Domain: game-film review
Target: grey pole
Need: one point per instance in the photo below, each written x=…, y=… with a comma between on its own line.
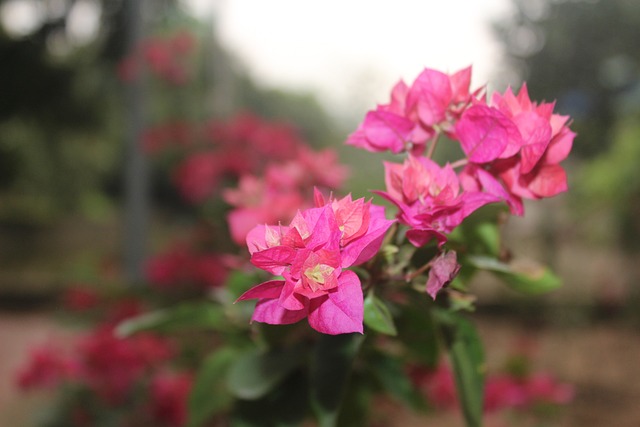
x=136, y=215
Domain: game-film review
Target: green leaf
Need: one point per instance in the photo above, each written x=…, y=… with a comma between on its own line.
x=183, y=316
x=416, y=330
x=209, y=394
x=238, y=282
x=257, y=372
x=285, y=406
x=467, y=358
x=390, y=372
x=330, y=369
x=377, y=315
x=480, y=233
x=524, y=276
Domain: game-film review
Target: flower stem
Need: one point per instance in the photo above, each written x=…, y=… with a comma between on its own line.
x=410, y=277
x=432, y=147
x=460, y=163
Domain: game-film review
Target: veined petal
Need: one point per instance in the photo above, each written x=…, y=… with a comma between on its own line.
x=387, y=131
x=364, y=248
x=548, y=181
x=288, y=297
x=444, y=269
x=269, y=289
x=341, y=311
x=483, y=133
x=271, y=312
x=274, y=260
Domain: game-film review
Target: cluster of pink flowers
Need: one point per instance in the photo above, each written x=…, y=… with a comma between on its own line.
x=166, y=57
x=281, y=190
x=182, y=266
x=312, y=255
x=169, y=397
x=513, y=149
x=111, y=371
x=502, y=391
x=269, y=162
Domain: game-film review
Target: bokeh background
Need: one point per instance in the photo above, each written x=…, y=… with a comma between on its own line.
x=80, y=199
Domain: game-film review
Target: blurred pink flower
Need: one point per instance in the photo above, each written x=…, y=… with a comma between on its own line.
x=80, y=298
x=110, y=366
x=169, y=398
x=46, y=368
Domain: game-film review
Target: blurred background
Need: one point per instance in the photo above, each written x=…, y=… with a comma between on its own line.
x=83, y=199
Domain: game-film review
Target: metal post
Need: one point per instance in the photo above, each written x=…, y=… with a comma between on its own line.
x=136, y=215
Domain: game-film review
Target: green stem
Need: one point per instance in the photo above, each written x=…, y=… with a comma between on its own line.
x=432, y=146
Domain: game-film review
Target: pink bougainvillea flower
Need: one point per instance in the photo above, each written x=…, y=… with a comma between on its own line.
x=46, y=368
x=363, y=226
x=198, y=175
x=502, y=392
x=322, y=168
x=312, y=254
x=80, y=298
x=110, y=366
x=519, y=142
x=408, y=121
x=261, y=201
x=544, y=388
x=429, y=198
x=443, y=270
x=437, y=384
x=169, y=398
x=486, y=134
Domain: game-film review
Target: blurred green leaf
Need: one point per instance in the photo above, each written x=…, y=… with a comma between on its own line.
x=257, y=372
x=377, y=315
x=416, y=330
x=480, y=233
x=187, y=315
x=390, y=372
x=209, y=394
x=467, y=358
x=238, y=282
x=523, y=276
x=285, y=406
x=330, y=369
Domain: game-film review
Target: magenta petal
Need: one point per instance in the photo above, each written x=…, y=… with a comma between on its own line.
x=271, y=312
x=341, y=311
x=242, y=221
x=288, y=298
x=420, y=237
x=274, y=260
x=365, y=247
x=385, y=130
x=460, y=82
x=560, y=146
x=270, y=289
x=536, y=135
x=548, y=181
x=430, y=94
x=325, y=232
x=483, y=133
x=444, y=269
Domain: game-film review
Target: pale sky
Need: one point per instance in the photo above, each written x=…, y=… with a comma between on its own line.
x=353, y=51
